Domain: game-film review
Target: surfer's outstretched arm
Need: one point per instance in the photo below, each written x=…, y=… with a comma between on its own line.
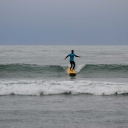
x=77, y=56
x=66, y=57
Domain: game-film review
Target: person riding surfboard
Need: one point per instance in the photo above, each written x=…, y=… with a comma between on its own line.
x=72, y=62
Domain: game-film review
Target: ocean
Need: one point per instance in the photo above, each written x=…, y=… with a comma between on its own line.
x=37, y=92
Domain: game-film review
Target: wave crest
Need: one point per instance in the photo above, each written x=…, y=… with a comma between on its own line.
x=84, y=71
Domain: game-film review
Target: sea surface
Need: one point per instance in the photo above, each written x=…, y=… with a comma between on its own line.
x=37, y=92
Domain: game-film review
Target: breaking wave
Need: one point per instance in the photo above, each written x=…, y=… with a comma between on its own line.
x=40, y=87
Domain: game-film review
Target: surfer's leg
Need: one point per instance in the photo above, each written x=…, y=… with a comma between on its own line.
x=74, y=65
x=71, y=65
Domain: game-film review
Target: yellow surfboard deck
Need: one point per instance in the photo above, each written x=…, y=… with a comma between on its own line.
x=71, y=72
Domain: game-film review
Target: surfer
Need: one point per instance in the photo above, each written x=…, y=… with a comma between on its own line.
x=72, y=62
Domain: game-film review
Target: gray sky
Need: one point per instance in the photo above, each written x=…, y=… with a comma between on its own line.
x=64, y=22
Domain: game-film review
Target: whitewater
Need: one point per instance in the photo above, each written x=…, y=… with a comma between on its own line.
x=39, y=87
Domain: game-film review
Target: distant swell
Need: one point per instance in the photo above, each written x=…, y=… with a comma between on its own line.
x=40, y=87
x=84, y=71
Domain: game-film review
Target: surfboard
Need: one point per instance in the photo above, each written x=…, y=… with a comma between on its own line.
x=71, y=72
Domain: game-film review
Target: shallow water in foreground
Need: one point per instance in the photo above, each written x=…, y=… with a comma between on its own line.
x=63, y=111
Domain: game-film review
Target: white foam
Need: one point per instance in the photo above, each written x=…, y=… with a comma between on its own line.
x=79, y=68
x=37, y=87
